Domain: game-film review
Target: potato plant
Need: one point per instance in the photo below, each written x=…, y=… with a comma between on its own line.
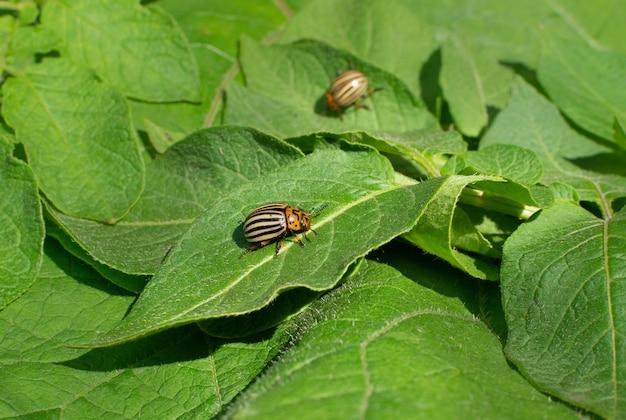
x=469, y=260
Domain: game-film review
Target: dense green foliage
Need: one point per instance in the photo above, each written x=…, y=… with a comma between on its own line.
x=470, y=260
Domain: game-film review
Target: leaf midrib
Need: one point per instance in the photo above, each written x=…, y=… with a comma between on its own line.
x=609, y=280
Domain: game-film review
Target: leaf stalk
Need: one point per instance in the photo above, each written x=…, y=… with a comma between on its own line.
x=486, y=200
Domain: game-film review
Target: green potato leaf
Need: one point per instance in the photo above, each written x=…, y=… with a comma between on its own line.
x=178, y=373
x=21, y=228
x=205, y=275
x=588, y=84
x=126, y=281
x=213, y=28
x=599, y=24
x=497, y=30
x=78, y=138
x=138, y=296
x=563, y=278
x=139, y=50
x=185, y=117
x=364, y=28
x=532, y=122
x=508, y=161
x=67, y=302
x=462, y=86
x=419, y=146
x=393, y=344
x=189, y=177
x=27, y=42
x=219, y=24
x=466, y=236
x=285, y=92
x=402, y=37
x=434, y=231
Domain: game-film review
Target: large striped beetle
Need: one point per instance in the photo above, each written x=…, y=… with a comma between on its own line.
x=273, y=222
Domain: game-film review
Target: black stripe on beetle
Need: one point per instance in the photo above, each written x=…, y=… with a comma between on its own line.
x=274, y=222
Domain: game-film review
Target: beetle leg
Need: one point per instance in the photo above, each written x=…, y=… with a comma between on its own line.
x=279, y=244
x=359, y=104
x=317, y=210
x=298, y=240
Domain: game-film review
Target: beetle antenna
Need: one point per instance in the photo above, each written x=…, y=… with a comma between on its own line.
x=373, y=90
x=317, y=210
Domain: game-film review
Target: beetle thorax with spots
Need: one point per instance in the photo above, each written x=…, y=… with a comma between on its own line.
x=297, y=220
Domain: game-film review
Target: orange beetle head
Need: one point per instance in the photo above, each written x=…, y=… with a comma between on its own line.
x=297, y=220
x=305, y=221
x=331, y=103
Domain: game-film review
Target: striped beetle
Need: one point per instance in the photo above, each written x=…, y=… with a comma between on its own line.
x=273, y=222
x=348, y=89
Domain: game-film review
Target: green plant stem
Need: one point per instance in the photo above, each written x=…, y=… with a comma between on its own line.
x=489, y=201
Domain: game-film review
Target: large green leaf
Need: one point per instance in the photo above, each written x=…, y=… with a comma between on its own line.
x=589, y=85
x=494, y=29
x=67, y=302
x=178, y=373
x=563, y=288
x=128, y=282
x=434, y=231
x=464, y=235
x=286, y=87
x=419, y=146
x=462, y=85
x=213, y=28
x=402, y=37
x=366, y=29
x=186, y=117
x=219, y=24
x=394, y=344
x=192, y=175
x=599, y=24
x=532, y=122
x=21, y=228
x=26, y=42
x=205, y=277
x=78, y=138
x=139, y=50
x=509, y=161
